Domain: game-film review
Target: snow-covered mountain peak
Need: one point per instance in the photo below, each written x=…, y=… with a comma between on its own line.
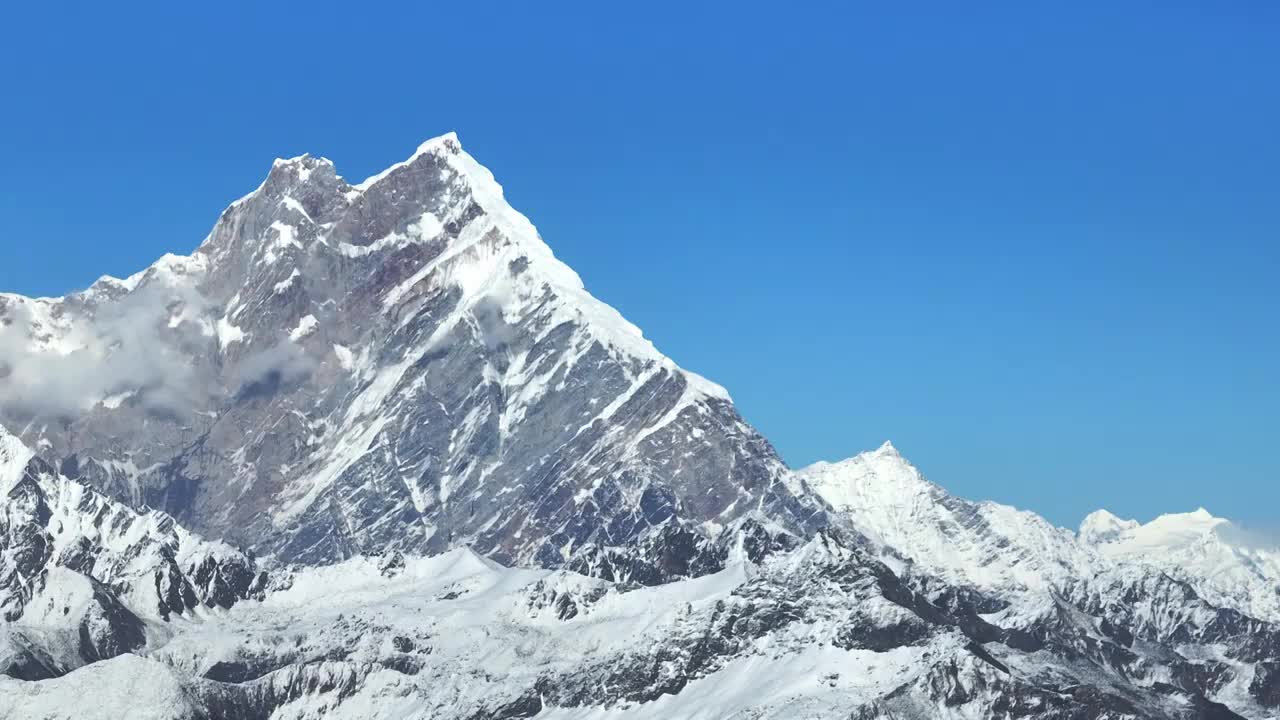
x=299, y=171
x=1166, y=532
x=305, y=161
x=1175, y=535
x=529, y=252
x=384, y=388
x=446, y=144
x=1202, y=514
x=417, y=321
x=1230, y=565
x=985, y=545
x=876, y=478
x=1102, y=526
x=888, y=448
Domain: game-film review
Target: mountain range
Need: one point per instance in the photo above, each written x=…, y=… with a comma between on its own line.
x=373, y=451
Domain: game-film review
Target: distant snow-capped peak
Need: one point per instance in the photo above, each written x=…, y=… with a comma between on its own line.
x=1230, y=565
x=1102, y=526
x=983, y=544
x=1166, y=532
x=1002, y=549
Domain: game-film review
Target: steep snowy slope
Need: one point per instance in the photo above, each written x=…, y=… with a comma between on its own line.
x=399, y=364
x=14, y=457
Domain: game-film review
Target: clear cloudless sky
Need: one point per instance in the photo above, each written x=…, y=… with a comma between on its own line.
x=1036, y=244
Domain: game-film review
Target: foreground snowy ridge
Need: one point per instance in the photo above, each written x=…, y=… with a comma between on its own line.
x=823, y=630
x=465, y=488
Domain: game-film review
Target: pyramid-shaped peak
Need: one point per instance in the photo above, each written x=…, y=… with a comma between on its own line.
x=1102, y=526
x=888, y=448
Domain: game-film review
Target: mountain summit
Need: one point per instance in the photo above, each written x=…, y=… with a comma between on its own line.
x=401, y=364
x=373, y=451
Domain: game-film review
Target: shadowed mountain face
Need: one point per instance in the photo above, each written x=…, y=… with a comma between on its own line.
x=478, y=492
x=401, y=364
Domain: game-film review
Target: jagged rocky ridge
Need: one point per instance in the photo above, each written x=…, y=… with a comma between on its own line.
x=83, y=577
x=400, y=364
x=392, y=391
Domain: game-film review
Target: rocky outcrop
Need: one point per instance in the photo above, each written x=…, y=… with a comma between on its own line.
x=81, y=575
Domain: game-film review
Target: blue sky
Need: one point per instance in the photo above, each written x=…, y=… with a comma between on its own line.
x=1034, y=244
